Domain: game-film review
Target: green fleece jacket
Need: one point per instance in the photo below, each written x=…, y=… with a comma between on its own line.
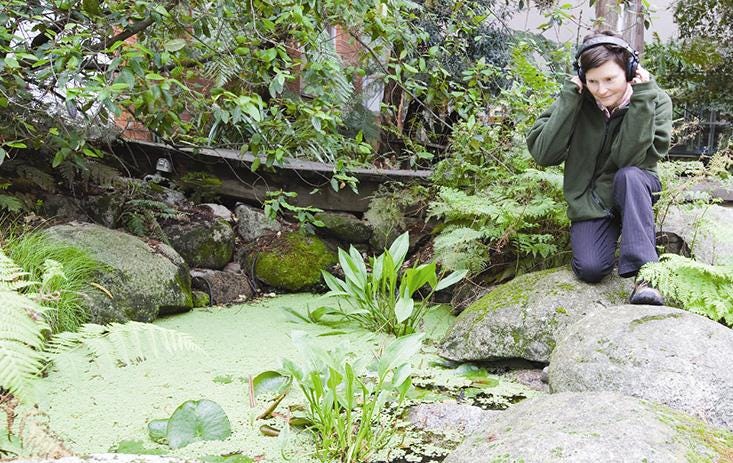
x=573, y=130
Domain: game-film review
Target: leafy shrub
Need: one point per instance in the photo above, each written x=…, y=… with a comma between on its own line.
x=694, y=286
x=383, y=297
x=346, y=398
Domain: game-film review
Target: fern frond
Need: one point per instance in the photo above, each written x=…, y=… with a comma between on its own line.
x=10, y=203
x=122, y=344
x=462, y=248
x=700, y=288
x=454, y=204
x=21, y=341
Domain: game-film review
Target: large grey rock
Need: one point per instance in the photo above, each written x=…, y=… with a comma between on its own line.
x=450, y=417
x=590, y=428
x=141, y=280
x=203, y=242
x=524, y=317
x=660, y=354
x=706, y=231
x=252, y=223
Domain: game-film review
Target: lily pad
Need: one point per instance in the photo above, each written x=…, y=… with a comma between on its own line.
x=158, y=430
x=197, y=420
x=270, y=382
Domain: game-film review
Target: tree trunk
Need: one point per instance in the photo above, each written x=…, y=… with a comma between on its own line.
x=624, y=17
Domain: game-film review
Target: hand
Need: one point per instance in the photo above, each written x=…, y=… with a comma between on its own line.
x=578, y=83
x=642, y=75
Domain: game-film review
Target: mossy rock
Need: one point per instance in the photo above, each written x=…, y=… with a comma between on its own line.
x=345, y=227
x=524, y=317
x=203, y=244
x=597, y=426
x=141, y=280
x=293, y=261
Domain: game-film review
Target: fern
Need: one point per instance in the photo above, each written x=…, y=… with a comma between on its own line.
x=700, y=288
x=21, y=331
x=462, y=248
x=122, y=344
x=10, y=203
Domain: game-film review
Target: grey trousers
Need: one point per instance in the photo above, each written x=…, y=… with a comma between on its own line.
x=594, y=241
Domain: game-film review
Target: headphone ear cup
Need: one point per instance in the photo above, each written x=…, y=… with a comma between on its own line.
x=631, y=65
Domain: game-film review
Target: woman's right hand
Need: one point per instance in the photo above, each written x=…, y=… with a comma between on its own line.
x=578, y=83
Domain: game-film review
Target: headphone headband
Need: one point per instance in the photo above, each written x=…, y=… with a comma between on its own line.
x=631, y=63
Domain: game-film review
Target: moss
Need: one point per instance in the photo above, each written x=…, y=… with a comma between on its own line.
x=706, y=444
x=511, y=294
x=561, y=310
x=200, y=299
x=651, y=318
x=294, y=262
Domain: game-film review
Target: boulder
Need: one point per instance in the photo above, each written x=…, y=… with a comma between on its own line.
x=141, y=280
x=252, y=223
x=292, y=261
x=655, y=353
x=450, y=417
x=345, y=227
x=705, y=230
x=222, y=287
x=219, y=211
x=593, y=427
x=524, y=317
x=105, y=209
x=203, y=242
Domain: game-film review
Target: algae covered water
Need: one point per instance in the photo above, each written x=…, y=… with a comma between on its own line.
x=95, y=409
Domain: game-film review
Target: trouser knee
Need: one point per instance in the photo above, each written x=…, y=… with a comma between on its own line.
x=591, y=272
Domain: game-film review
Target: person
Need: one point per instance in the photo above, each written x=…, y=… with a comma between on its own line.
x=610, y=125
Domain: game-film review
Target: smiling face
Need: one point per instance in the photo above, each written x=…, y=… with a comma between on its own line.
x=607, y=83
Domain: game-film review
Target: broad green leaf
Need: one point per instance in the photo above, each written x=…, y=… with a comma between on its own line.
x=175, y=45
x=451, y=279
x=157, y=430
x=403, y=309
x=398, y=249
x=398, y=352
x=270, y=382
x=197, y=420
x=333, y=283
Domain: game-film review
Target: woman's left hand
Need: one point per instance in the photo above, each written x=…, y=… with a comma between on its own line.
x=642, y=75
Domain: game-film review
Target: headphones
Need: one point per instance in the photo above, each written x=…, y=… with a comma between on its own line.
x=631, y=63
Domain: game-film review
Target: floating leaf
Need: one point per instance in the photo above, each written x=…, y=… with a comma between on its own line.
x=270, y=382
x=197, y=420
x=157, y=430
x=269, y=431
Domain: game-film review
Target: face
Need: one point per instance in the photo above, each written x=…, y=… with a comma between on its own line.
x=607, y=83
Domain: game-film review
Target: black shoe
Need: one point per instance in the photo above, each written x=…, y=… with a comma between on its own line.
x=645, y=294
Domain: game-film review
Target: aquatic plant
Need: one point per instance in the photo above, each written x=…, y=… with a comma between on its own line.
x=383, y=297
x=192, y=421
x=346, y=398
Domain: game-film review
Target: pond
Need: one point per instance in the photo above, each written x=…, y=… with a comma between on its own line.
x=96, y=409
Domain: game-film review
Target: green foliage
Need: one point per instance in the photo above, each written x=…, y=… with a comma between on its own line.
x=523, y=218
x=192, y=421
x=383, y=298
x=22, y=330
x=277, y=204
x=63, y=273
x=25, y=346
x=141, y=217
x=694, y=286
x=346, y=398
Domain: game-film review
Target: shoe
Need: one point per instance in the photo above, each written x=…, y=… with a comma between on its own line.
x=645, y=294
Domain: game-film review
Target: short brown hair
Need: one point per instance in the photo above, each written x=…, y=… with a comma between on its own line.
x=598, y=56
